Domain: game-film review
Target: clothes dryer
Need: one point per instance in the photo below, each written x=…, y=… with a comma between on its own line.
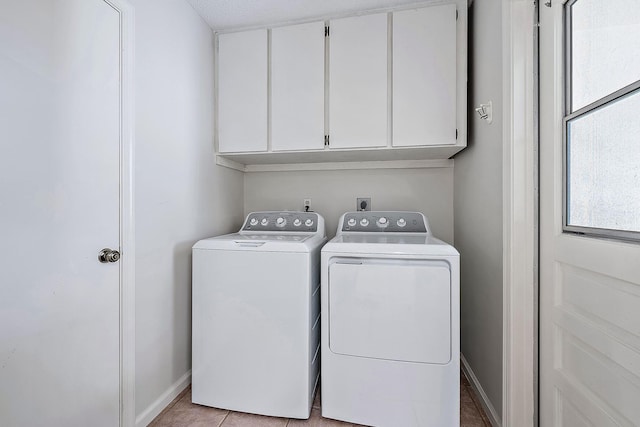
x=256, y=315
x=390, y=323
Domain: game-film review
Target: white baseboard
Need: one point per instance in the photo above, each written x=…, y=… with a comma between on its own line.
x=156, y=407
x=494, y=417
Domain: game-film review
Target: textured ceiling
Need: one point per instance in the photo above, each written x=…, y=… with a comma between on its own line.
x=233, y=14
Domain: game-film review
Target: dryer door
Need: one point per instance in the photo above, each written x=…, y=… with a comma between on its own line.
x=390, y=309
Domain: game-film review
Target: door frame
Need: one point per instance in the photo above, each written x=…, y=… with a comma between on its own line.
x=520, y=190
x=520, y=213
x=127, y=229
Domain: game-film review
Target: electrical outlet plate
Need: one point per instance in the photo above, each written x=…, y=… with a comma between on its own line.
x=363, y=203
x=306, y=204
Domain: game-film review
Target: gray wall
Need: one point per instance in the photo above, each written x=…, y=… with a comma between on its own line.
x=478, y=206
x=334, y=192
x=181, y=196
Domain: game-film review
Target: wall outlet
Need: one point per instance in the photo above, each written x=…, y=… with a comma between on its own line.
x=363, y=203
x=306, y=204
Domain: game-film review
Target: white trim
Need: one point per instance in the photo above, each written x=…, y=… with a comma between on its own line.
x=127, y=228
x=227, y=163
x=387, y=164
x=520, y=215
x=491, y=412
x=163, y=401
x=327, y=166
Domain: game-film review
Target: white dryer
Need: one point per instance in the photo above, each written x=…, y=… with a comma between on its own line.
x=256, y=315
x=390, y=323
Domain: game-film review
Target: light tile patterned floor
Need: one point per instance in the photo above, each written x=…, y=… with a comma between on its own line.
x=182, y=413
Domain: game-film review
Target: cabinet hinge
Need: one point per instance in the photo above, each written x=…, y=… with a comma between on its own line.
x=326, y=140
x=326, y=31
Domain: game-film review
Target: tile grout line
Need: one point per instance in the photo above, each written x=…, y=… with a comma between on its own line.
x=224, y=419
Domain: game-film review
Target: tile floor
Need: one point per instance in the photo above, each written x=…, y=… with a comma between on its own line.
x=182, y=413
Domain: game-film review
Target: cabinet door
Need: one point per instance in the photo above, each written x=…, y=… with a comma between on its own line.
x=242, y=91
x=297, y=87
x=358, y=82
x=424, y=76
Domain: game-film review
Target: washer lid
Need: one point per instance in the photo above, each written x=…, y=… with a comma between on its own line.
x=272, y=231
x=289, y=242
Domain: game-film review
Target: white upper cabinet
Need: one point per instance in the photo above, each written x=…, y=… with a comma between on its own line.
x=242, y=91
x=297, y=87
x=424, y=76
x=383, y=86
x=358, y=81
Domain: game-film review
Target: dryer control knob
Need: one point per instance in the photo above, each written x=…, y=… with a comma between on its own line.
x=297, y=222
x=308, y=222
x=382, y=222
x=401, y=222
x=254, y=221
x=280, y=222
x=352, y=222
x=364, y=222
x=264, y=221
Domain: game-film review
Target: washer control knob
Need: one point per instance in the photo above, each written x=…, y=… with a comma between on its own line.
x=364, y=222
x=254, y=221
x=352, y=222
x=308, y=222
x=401, y=222
x=264, y=221
x=280, y=222
x=297, y=222
x=382, y=222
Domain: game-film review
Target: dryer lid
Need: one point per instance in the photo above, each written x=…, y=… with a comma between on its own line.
x=364, y=244
x=391, y=239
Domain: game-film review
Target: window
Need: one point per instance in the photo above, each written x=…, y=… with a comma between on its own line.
x=602, y=121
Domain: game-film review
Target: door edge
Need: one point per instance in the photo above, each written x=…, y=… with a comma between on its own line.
x=127, y=410
x=520, y=171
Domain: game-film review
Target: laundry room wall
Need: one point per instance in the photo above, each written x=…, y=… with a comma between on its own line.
x=478, y=204
x=334, y=192
x=181, y=196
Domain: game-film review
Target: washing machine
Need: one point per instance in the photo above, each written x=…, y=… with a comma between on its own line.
x=390, y=323
x=256, y=315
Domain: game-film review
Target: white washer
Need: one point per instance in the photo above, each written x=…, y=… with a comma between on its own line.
x=390, y=323
x=256, y=315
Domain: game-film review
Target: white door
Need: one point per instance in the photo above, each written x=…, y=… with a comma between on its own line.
x=358, y=81
x=297, y=87
x=242, y=91
x=59, y=188
x=590, y=286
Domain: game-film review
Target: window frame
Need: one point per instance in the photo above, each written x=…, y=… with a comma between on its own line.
x=568, y=116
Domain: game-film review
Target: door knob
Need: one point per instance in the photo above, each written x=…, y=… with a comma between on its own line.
x=108, y=255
